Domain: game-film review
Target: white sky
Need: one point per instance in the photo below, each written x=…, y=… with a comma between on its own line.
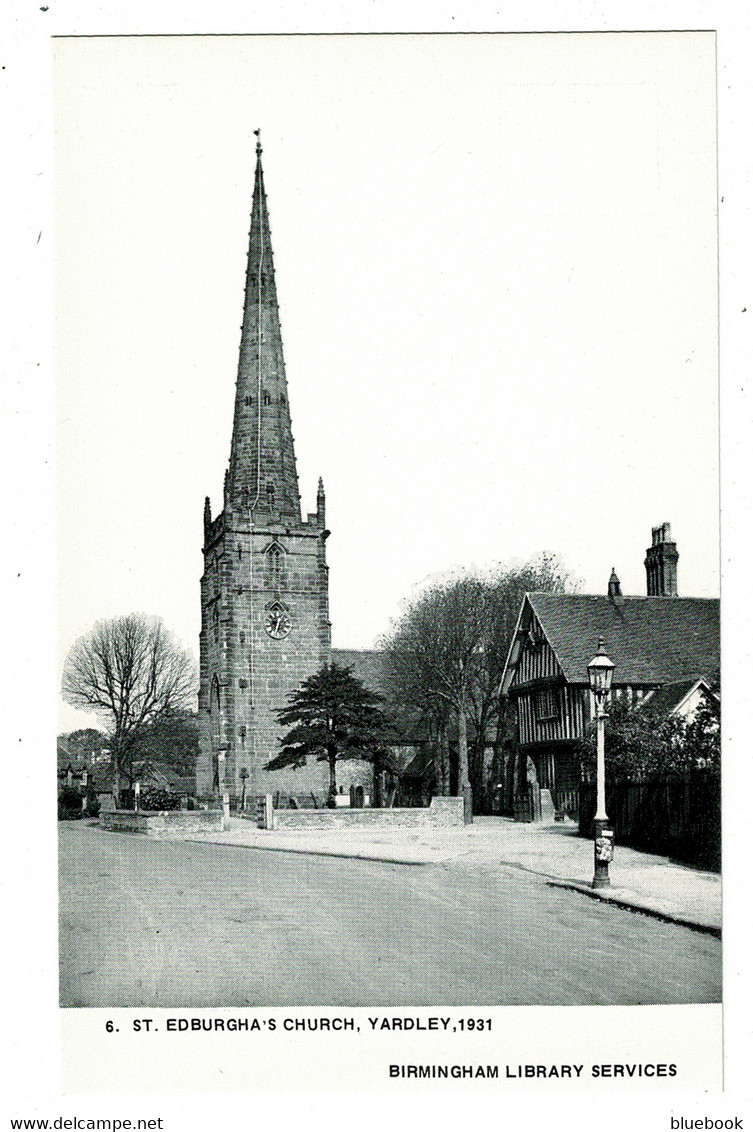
x=496, y=263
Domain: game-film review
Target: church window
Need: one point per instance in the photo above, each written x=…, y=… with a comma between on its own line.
x=267, y=398
x=242, y=637
x=248, y=401
x=270, y=495
x=240, y=552
x=242, y=683
x=545, y=704
x=242, y=732
x=276, y=566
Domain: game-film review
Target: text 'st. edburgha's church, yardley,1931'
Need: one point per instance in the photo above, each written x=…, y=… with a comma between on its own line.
x=264, y=592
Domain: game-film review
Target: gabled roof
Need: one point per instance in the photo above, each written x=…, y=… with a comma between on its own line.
x=670, y=698
x=651, y=640
x=64, y=768
x=420, y=766
x=149, y=772
x=67, y=760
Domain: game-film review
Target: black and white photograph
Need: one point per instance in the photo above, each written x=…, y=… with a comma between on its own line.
x=388, y=665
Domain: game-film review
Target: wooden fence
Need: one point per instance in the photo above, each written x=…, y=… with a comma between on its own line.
x=567, y=802
x=676, y=817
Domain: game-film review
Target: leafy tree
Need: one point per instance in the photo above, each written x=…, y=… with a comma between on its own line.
x=172, y=741
x=334, y=716
x=640, y=743
x=132, y=673
x=84, y=746
x=702, y=737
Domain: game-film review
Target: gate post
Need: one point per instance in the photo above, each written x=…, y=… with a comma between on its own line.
x=265, y=814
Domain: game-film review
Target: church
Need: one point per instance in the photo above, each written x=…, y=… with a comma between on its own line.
x=265, y=624
x=264, y=591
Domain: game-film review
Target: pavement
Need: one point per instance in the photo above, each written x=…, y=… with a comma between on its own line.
x=146, y=922
x=642, y=882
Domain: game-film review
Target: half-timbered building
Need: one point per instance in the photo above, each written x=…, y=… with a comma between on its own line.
x=658, y=643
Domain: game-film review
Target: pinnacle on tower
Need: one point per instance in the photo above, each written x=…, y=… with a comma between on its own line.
x=262, y=472
x=320, y=502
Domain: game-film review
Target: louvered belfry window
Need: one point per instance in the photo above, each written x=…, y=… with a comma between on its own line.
x=276, y=567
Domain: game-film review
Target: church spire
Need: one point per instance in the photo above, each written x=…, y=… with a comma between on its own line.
x=262, y=474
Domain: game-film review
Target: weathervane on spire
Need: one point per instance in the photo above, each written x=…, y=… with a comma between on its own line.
x=258, y=141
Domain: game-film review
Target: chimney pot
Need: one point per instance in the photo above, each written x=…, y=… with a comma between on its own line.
x=661, y=563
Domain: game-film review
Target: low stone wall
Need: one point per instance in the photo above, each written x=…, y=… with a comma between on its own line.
x=162, y=824
x=441, y=813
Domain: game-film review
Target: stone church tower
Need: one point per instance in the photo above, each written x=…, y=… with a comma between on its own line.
x=264, y=592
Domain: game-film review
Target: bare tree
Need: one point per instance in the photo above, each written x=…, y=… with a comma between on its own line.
x=446, y=657
x=434, y=652
x=131, y=672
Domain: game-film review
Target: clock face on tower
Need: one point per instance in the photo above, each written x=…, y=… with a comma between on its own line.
x=277, y=624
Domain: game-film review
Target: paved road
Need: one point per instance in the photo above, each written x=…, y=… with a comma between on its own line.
x=171, y=924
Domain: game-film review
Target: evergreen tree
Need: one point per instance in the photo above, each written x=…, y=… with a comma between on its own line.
x=334, y=716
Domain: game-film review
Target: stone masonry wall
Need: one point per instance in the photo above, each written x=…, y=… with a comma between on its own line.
x=247, y=675
x=442, y=813
x=163, y=824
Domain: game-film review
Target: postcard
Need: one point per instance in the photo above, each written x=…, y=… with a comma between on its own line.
x=387, y=572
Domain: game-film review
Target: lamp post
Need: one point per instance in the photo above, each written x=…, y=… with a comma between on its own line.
x=600, y=672
x=223, y=790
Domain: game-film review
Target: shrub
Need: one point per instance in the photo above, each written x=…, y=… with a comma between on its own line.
x=155, y=799
x=151, y=798
x=641, y=745
x=92, y=804
x=69, y=804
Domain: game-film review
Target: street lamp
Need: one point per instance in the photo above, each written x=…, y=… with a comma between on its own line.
x=600, y=672
x=223, y=789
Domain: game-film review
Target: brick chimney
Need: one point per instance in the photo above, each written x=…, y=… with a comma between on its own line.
x=661, y=563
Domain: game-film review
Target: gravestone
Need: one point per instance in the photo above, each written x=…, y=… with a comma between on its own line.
x=547, y=806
